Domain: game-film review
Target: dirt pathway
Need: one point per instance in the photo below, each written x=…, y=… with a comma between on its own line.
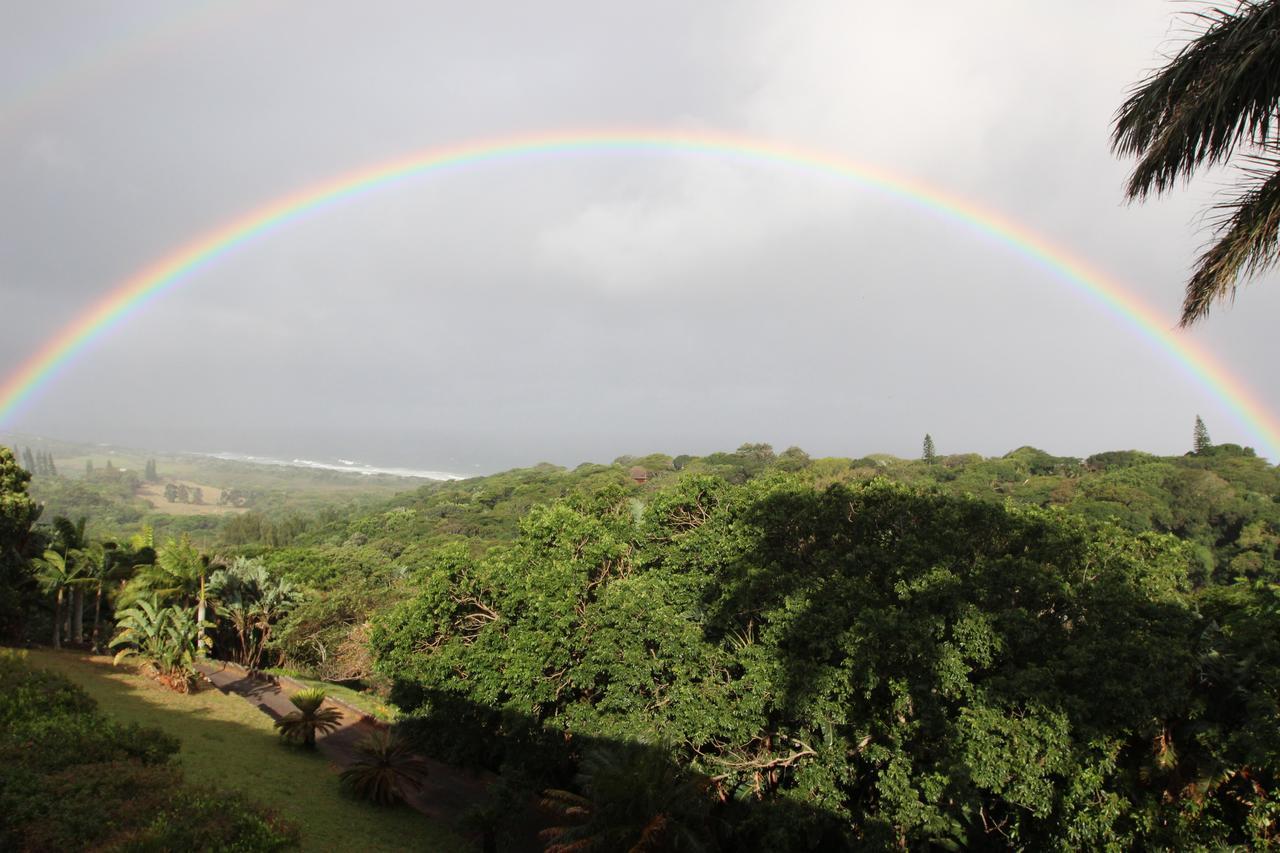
x=448, y=791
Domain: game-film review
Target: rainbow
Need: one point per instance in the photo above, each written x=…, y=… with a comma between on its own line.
x=149, y=283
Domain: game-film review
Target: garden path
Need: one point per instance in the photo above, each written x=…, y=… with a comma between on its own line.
x=448, y=792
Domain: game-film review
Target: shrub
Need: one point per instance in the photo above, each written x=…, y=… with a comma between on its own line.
x=386, y=771
x=302, y=726
x=73, y=779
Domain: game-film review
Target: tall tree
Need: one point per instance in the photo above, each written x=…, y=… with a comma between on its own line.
x=1200, y=437
x=927, y=453
x=244, y=593
x=1217, y=98
x=18, y=513
x=177, y=576
x=28, y=461
x=72, y=542
x=57, y=575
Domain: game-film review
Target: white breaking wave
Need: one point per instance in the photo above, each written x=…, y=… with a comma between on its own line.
x=348, y=466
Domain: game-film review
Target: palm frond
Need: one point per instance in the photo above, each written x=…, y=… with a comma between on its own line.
x=310, y=719
x=1248, y=241
x=1219, y=90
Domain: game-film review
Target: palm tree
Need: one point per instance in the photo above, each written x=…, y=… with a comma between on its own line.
x=634, y=797
x=302, y=725
x=56, y=575
x=1218, y=95
x=386, y=771
x=109, y=562
x=254, y=602
x=72, y=541
x=178, y=574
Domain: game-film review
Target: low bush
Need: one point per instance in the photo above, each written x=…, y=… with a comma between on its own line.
x=72, y=779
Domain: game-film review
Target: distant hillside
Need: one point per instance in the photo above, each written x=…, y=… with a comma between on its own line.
x=1225, y=502
x=120, y=489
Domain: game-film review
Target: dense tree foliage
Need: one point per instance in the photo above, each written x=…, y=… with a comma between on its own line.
x=18, y=514
x=865, y=665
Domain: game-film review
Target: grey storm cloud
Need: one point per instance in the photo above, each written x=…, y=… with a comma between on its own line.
x=583, y=306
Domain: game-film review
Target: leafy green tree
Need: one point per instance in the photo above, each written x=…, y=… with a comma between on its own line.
x=1200, y=438
x=853, y=667
x=18, y=514
x=386, y=770
x=793, y=459
x=308, y=718
x=1216, y=99
x=171, y=492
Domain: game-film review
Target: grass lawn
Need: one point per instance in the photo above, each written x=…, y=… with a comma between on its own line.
x=229, y=743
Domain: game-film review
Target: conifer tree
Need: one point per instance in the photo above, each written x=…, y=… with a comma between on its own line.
x=53, y=469
x=928, y=454
x=28, y=461
x=151, y=471
x=1201, y=441
x=88, y=468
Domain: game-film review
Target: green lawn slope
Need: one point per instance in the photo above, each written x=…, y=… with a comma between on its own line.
x=229, y=743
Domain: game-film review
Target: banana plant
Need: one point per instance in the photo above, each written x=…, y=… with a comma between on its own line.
x=163, y=639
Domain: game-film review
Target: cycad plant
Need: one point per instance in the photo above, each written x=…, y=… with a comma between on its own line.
x=386, y=771
x=302, y=725
x=634, y=797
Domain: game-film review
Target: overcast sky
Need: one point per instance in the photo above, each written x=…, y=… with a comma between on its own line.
x=581, y=307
